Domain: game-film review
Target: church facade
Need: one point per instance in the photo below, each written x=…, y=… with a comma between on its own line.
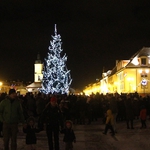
x=38, y=76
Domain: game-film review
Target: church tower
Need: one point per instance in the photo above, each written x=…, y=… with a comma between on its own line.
x=38, y=68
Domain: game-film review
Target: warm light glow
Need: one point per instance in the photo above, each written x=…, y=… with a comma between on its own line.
x=125, y=80
x=104, y=74
x=135, y=61
x=130, y=79
x=134, y=88
x=125, y=75
x=38, y=75
x=147, y=71
x=1, y=83
x=116, y=83
x=140, y=71
x=104, y=86
x=38, y=68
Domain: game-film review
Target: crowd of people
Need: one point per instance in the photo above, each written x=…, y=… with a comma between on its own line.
x=59, y=112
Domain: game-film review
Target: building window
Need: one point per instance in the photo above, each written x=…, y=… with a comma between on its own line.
x=144, y=75
x=120, y=76
x=143, y=61
x=39, y=78
x=122, y=86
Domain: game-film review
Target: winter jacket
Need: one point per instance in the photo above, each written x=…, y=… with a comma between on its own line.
x=69, y=135
x=30, y=134
x=11, y=111
x=129, y=109
x=143, y=114
x=52, y=116
x=113, y=105
x=110, y=117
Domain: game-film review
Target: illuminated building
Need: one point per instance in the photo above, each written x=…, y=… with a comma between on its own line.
x=128, y=76
x=19, y=86
x=38, y=68
x=38, y=76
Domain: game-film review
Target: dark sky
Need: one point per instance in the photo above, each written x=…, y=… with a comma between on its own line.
x=94, y=33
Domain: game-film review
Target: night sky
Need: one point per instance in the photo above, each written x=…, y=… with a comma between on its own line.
x=94, y=33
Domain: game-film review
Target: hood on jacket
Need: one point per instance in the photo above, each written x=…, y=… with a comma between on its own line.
x=109, y=112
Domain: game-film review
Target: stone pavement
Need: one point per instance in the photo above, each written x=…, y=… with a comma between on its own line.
x=90, y=137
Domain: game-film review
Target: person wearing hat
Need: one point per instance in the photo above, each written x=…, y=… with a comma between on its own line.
x=11, y=114
x=53, y=119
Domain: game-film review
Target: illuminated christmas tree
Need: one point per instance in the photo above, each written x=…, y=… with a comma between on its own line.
x=56, y=76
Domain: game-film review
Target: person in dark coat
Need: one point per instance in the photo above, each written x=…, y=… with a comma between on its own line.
x=31, y=131
x=129, y=112
x=89, y=110
x=69, y=136
x=1, y=129
x=11, y=114
x=3, y=95
x=114, y=109
x=53, y=119
x=40, y=104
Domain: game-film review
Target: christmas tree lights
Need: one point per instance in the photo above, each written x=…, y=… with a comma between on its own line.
x=56, y=76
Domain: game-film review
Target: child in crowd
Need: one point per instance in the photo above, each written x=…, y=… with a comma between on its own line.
x=31, y=131
x=143, y=117
x=109, y=122
x=69, y=135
